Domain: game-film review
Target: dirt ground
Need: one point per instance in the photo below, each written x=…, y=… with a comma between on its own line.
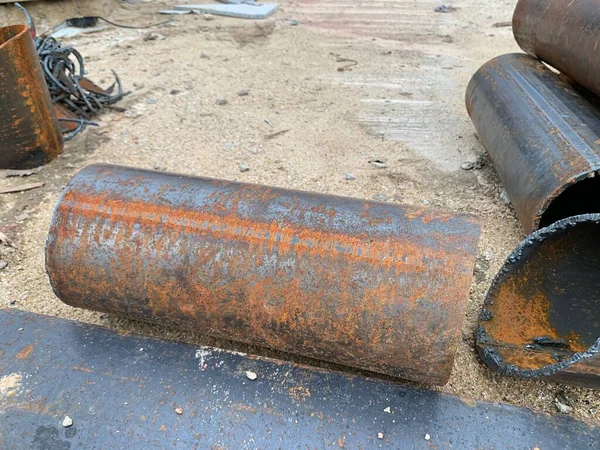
x=403, y=102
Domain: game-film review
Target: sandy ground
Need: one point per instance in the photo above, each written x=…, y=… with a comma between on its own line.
x=402, y=102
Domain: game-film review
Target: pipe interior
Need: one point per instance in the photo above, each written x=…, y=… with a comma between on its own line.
x=582, y=197
x=549, y=300
x=10, y=32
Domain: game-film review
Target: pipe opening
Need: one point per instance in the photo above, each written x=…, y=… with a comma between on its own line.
x=579, y=198
x=10, y=32
x=544, y=306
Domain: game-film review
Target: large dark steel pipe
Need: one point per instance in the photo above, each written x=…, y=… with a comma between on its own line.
x=29, y=131
x=563, y=33
x=542, y=313
x=365, y=284
x=542, y=137
x=135, y=392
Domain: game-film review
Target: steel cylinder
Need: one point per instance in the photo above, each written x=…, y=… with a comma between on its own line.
x=541, y=317
x=365, y=284
x=542, y=136
x=30, y=134
x=563, y=33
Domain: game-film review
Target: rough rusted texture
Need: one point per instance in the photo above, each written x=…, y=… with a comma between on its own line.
x=135, y=392
x=365, y=284
x=542, y=136
x=563, y=33
x=541, y=317
x=30, y=133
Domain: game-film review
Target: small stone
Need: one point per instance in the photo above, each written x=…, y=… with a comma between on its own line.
x=22, y=217
x=251, y=375
x=294, y=23
x=426, y=202
x=3, y=264
x=388, y=410
x=159, y=166
x=208, y=16
x=243, y=92
x=427, y=437
x=21, y=329
x=504, y=196
x=152, y=36
x=445, y=9
x=378, y=163
x=174, y=92
x=151, y=101
x=179, y=411
x=563, y=403
x=350, y=177
x=380, y=197
x=204, y=56
x=132, y=114
x=244, y=168
x=379, y=435
x=221, y=101
x=467, y=165
x=67, y=422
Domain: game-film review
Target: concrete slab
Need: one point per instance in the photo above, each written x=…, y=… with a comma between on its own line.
x=241, y=11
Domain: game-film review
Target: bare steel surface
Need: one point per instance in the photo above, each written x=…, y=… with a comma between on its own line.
x=294, y=83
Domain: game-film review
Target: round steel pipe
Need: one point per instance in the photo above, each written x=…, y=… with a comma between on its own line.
x=31, y=135
x=563, y=33
x=542, y=136
x=541, y=317
x=372, y=285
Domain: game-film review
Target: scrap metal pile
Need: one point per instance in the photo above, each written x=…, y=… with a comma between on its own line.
x=364, y=284
x=76, y=98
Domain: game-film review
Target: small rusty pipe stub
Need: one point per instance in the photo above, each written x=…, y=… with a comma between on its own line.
x=371, y=285
x=542, y=136
x=563, y=33
x=30, y=134
x=541, y=317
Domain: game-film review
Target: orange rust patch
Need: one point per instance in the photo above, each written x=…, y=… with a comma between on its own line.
x=23, y=354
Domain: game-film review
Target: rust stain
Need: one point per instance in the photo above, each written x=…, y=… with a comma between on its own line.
x=24, y=354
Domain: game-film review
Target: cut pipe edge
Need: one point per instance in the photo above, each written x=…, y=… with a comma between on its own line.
x=541, y=317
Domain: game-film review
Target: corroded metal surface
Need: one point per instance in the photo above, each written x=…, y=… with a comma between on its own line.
x=563, y=33
x=542, y=136
x=541, y=317
x=371, y=285
x=30, y=133
x=131, y=392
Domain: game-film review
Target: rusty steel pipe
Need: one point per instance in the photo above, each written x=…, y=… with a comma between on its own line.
x=563, y=33
x=365, y=284
x=541, y=316
x=30, y=133
x=542, y=136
